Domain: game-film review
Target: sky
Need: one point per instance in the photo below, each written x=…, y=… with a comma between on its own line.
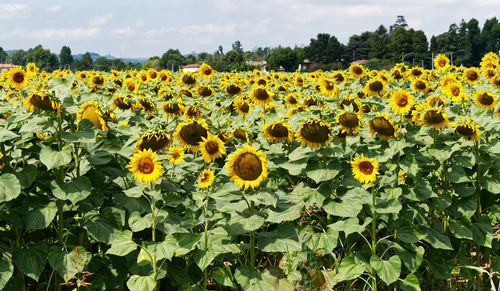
x=125, y=28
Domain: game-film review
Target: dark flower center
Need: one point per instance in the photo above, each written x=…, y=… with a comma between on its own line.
x=248, y=166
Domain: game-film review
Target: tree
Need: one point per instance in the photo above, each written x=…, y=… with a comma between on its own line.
x=237, y=47
x=463, y=53
x=65, y=56
x=190, y=59
x=84, y=63
x=358, y=47
x=324, y=49
x=102, y=64
x=491, y=35
x=379, y=44
x=283, y=56
x=17, y=57
x=400, y=42
x=476, y=42
x=171, y=59
x=3, y=55
x=43, y=58
x=400, y=22
x=420, y=45
x=233, y=60
x=153, y=62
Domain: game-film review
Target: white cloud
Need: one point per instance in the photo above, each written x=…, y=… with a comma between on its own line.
x=139, y=23
x=100, y=20
x=45, y=34
x=124, y=31
x=54, y=8
x=8, y=11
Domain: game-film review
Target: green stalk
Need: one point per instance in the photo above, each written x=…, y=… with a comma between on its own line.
x=374, y=237
x=252, y=239
x=478, y=211
x=153, y=236
x=205, y=272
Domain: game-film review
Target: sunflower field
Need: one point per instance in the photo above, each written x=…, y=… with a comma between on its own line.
x=330, y=180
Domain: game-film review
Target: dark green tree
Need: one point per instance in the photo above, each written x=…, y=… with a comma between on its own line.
x=491, y=35
x=283, y=56
x=233, y=60
x=324, y=49
x=171, y=59
x=3, y=55
x=358, y=47
x=420, y=45
x=84, y=63
x=43, y=58
x=190, y=59
x=237, y=47
x=400, y=42
x=463, y=54
x=102, y=64
x=379, y=44
x=17, y=57
x=476, y=42
x=400, y=22
x=65, y=56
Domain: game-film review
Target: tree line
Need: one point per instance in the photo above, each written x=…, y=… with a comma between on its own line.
x=464, y=44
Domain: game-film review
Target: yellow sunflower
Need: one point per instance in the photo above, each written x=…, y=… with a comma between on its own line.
x=365, y=170
x=176, y=154
x=242, y=106
x=131, y=85
x=155, y=141
x=40, y=100
x=97, y=81
x=327, y=87
x=314, y=133
x=468, y=129
x=433, y=117
x=122, y=102
x=90, y=110
x=261, y=96
x=420, y=85
x=211, y=148
x=471, y=75
x=436, y=101
x=349, y=121
x=352, y=102
x=145, y=166
x=204, y=90
x=152, y=74
x=441, y=62
x=188, y=79
x=375, y=86
x=206, y=178
x=455, y=92
x=31, y=69
x=247, y=167
x=356, y=70
x=206, y=71
x=277, y=131
x=292, y=99
x=401, y=101
x=233, y=89
x=193, y=112
x=16, y=78
x=383, y=126
x=143, y=77
x=485, y=99
x=190, y=133
x=173, y=108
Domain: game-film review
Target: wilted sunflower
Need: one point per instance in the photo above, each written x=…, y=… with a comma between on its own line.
x=188, y=79
x=375, y=87
x=441, y=62
x=233, y=89
x=365, y=170
x=204, y=90
x=206, y=178
x=383, y=126
x=247, y=167
x=190, y=133
x=241, y=135
x=16, y=78
x=173, y=109
x=41, y=101
x=468, y=129
x=176, y=154
x=206, y=71
x=90, y=110
x=436, y=101
x=314, y=133
x=242, y=106
x=485, y=99
x=471, y=76
x=261, y=96
x=145, y=166
x=146, y=103
x=155, y=141
x=211, y=148
x=401, y=101
x=131, y=85
x=185, y=92
x=433, y=117
x=277, y=131
x=349, y=121
x=122, y=103
x=192, y=112
x=352, y=102
x=356, y=70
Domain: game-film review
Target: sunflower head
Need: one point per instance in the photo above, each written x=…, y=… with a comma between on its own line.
x=327, y=87
x=97, y=81
x=90, y=110
x=375, y=86
x=155, y=141
x=206, y=178
x=39, y=100
x=191, y=132
x=247, y=167
x=233, y=89
x=173, y=109
x=365, y=170
x=204, y=90
x=436, y=101
x=441, y=62
x=176, y=154
x=471, y=75
x=314, y=133
x=468, y=129
x=349, y=121
x=485, y=99
x=277, y=131
x=122, y=103
x=433, y=117
x=211, y=148
x=131, y=85
x=401, y=101
x=145, y=166
x=188, y=79
x=242, y=106
x=206, y=71
x=16, y=78
x=356, y=70
x=261, y=96
x=383, y=126
x=420, y=85
x=292, y=99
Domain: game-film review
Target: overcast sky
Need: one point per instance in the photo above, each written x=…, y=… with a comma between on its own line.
x=125, y=28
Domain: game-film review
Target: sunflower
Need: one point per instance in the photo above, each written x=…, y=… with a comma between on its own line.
x=122, y=103
x=16, y=77
x=352, y=102
x=146, y=104
x=131, y=85
x=242, y=106
x=441, y=62
x=375, y=86
x=97, y=81
x=204, y=90
x=164, y=76
x=455, y=92
x=292, y=99
x=468, y=129
x=173, y=108
x=401, y=101
x=396, y=74
x=40, y=101
x=176, y=154
x=435, y=101
x=296, y=109
x=145, y=166
x=206, y=178
x=471, y=76
x=383, y=126
x=193, y=112
x=233, y=89
x=191, y=132
x=314, y=133
x=261, y=96
x=433, y=117
x=495, y=82
x=327, y=87
x=416, y=72
x=339, y=77
x=485, y=99
x=349, y=121
x=152, y=74
x=247, y=167
x=211, y=148
x=31, y=69
x=154, y=141
x=420, y=85
x=188, y=79
x=277, y=131
x=90, y=110
x=356, y=70
x=241, y=135
x=299, y=81
x=206, y=71
x=82, y=75
x=365, y=170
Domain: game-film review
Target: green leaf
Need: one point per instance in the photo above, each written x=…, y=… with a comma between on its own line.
x=162, y=250
x=350, y=225
x=54, y=159
x=437, y=238
x=284, y=211
x=31, y=260
x=239, y=224
x=318, y=173
x=388, y=270
x=295, y=168
x=99, y=158
x=407, y=232
x=27, y=176
x=282, y=239
x=6, y=135
x=186, y=242
x=143, y=258
x=122, y=244
x=74, y=191
x=410, y=283
x=346, y=208
x=251, y=280
x=223, y=276
x=6, y=270
x=138, y=223
x=461, y=229
x=203, y=258
x=101, y=230
x=10, y=187
x=347, y=270
x=68, y=264
x=141, y=283
x=134, y=192
x=482, y=231
x=490, y=185
x=456, y=174
x=323, y=243
x=40, y=217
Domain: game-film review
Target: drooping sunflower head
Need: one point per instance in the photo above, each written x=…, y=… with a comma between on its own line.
x=472, y=75
x=123, y=103
x=241, y=135
x=350, y=121
x=206, y=71
x=277, y=131
x=193, y=112
x=190, y=133
x=188, y=79
x=204, y=90
x=339, y=77
x=314, y=133
x=211, y=148
x=485, y=99
x=383, y=126
x=441, y=62
x=365, y=170
x=242, y=106
x=401, y=101
x=16, y=78
x=468, y=129
x=233, y=89
x=261, y=96
x=156, y=141
x=299, y=81
x=206, y=178
x=420, y=85
x=176, y=154
x=350, y=102
x=96, y=81
x=356, y=70
x=247, y=167
x=145, y=166
x=173, y=108
x=40, y=100
x=375, y=87
x=90, y=110
x=434, y=117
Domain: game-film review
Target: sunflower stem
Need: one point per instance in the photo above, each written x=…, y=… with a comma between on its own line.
x=153, y=235
x=478, y=210
x=374, y=237
x=205, y=272
x=252, y=239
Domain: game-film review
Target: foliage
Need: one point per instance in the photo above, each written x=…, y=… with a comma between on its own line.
x=283, y=56
x=65, y=57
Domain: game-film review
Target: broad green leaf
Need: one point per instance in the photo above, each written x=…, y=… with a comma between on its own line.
x=203, y=258
x=456, y=174
x=101, y=230
x=186, y=242
x=6, y=135
x=31, y=260
x=141, y=283
x=411, y=256
x=461, y=229
x=100, y=158
x=53, y=159
x=251, y=280
x=40, y=217
x=295, y=168
x=223, y=276
x=410, y=283
x=6, y=270
x=408, y=232
x=318, y=173
x=134, y=192
x=10, y=187
x=239, y=224
x=323, y=243
x=437, y=238
x=138, y=223
x=491, y=185
x=27, y=176
x=74, y=191
x=347, y=270
x=388, y=270
x=350, y=225
x=144, y=258
x=284, y=211
x=162, y=250
x=122, y=244
x=482, y=231
x=282, y=239
x=68, y=264
x=346, y=208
